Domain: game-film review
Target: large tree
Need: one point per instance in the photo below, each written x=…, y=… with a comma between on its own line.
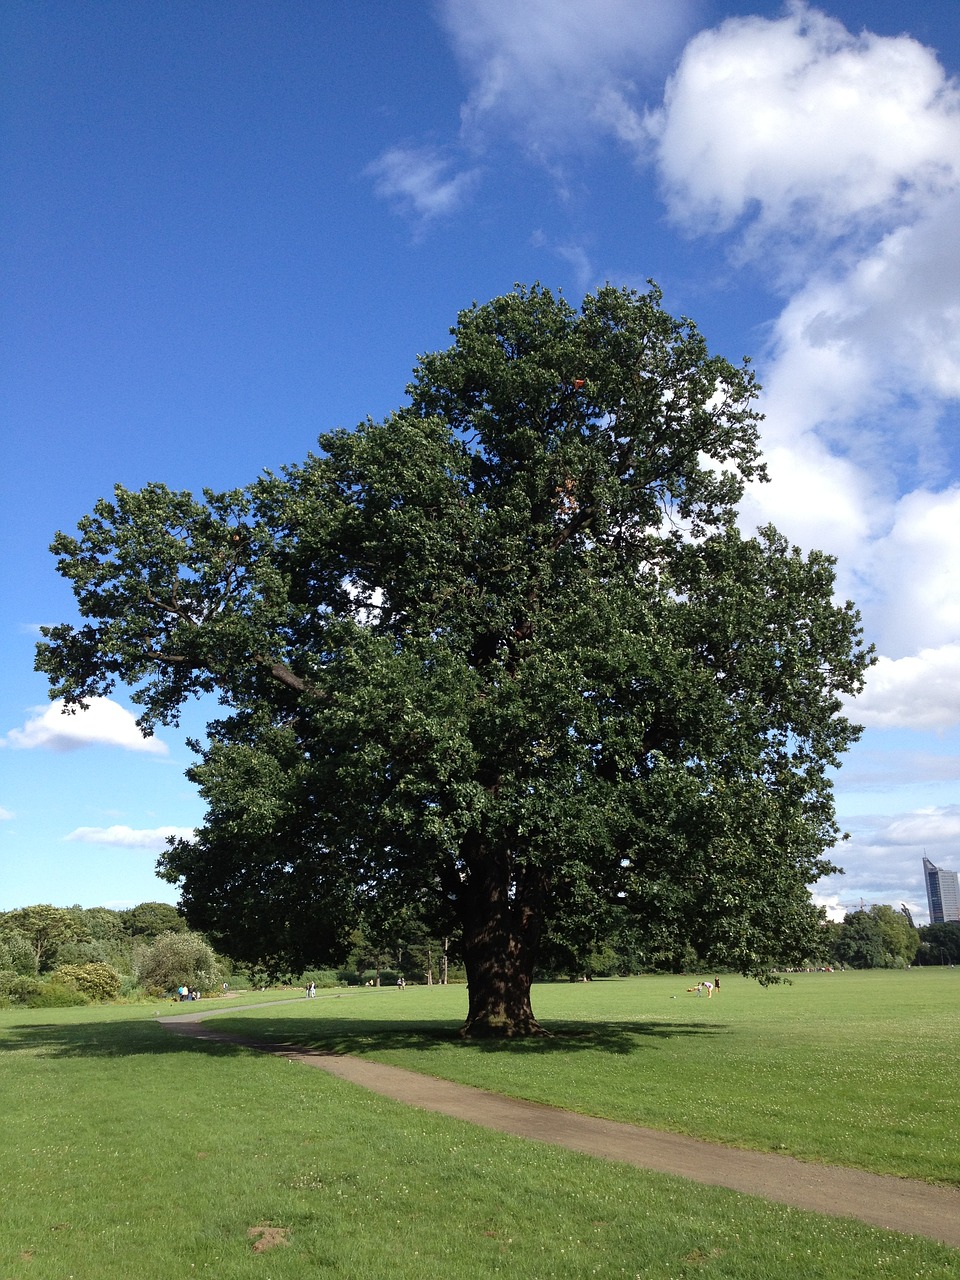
x=504, y=657
x=47, y=929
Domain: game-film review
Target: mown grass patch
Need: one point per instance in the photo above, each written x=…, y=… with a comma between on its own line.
x=129, y=1151
x=854, y=1068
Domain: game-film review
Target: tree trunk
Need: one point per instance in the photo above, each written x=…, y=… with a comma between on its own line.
x=500, y=942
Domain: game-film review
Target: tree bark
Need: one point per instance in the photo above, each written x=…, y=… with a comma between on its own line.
x=501, y=937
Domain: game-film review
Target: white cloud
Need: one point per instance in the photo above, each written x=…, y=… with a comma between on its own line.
x=816, y=498
x=836, y=160
x=5, y=815
x=103, y=723
x=915, y=569
x=924, y=827
x=883, y=859
x=578, y=259
x=561, y=71
x=918, y=692
x=128, y=837
x=419, y=181
x=856, y=341
x=798, y=123
x=831, y=904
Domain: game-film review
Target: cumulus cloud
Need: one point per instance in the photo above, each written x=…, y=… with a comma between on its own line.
x=841, y=155
x=914, y=565
x=917, y=692
x=834, y=159
x=129, y=838
x=419, y=181
x=878, y=337
x=802, y=124
x=861, y=388
x=103, y=723
x=816, y=498
x=560, y=71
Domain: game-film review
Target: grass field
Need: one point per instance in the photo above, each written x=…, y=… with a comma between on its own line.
x=856, y=1068
x=131, y=1152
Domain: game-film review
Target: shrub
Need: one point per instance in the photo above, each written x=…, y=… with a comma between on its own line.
x=37, y=993
x=179, y=959
x=96, y=981
x=322, y=978
x=55, y=995
x=130, y=988
x=17, y=955
x=19, y=988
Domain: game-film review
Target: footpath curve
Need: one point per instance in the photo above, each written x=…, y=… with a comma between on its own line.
x=895, y=1204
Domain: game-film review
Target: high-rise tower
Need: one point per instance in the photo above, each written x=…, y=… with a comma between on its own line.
x=943, y=893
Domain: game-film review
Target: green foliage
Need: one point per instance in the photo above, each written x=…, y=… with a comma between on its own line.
x=93, y=951
x=901, y=940
x=46, y=928
x=17, y=954
x=176, y=959
x=102, y=924
x=861, y=943
x=880, y=938
x=56, y=995
x=150, y=919
x=940, y=943
x=36, y=993
x=503, y=660
x=16, y=987
x=320, y=977
x=96, y=981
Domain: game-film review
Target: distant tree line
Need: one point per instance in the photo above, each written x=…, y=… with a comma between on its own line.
x=52, y=956
x=73, y=955
x=882, y=938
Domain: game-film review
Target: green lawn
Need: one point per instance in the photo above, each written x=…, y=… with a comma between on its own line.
x=856, y=1068
x=129, y=1152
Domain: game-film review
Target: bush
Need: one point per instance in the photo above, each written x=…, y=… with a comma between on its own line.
x=75, y=954
x=179, y=959
x=17, y=955
x=18, y=988
x=322, y=978
x=55, y=995
x=98, y=982
x=36, y=993
x=130, y=987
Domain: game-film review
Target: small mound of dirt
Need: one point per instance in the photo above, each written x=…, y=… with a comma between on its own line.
x=267, y=1237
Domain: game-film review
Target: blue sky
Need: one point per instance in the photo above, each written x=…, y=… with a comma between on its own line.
x=228, y=227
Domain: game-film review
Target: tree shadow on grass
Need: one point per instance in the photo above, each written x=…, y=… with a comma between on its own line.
x=354, y=1036
x=333, y=1035
x=103, y=1040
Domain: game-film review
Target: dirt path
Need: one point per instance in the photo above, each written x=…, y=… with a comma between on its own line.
x=896, y=1204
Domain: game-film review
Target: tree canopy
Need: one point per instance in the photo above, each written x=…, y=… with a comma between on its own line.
x=504, y=658
x=879, y=938
x=46, y=928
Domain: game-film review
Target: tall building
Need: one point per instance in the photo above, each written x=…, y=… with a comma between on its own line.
x=943, y=893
